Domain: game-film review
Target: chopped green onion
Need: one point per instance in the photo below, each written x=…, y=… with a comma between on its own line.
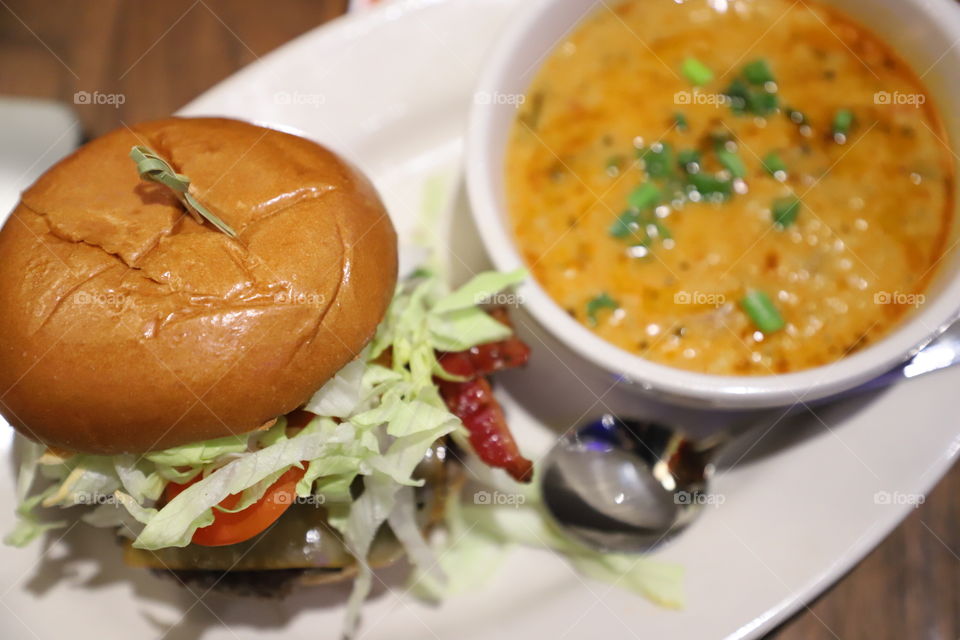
x=761, y=311
x=688, y=157
x=657, y=160
x=680, y=121
x=762, y=103
x=758, y=72
x=708, y=185
x=646, y=196
x=842, y=122
x=743, y=99
x=738, y=92
x=625, y=224
x=785, y=211
x=696, y=72
x=662, y=230
x=601, y=301
x=774, y=165
x=731, y=162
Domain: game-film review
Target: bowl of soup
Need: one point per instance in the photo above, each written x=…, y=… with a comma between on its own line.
x=736, y=203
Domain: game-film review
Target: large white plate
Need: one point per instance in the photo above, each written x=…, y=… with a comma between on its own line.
x=390, y=90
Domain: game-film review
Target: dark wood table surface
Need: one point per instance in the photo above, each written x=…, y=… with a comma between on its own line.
x=160, y=55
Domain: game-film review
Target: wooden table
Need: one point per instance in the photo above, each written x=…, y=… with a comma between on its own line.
x=159, y=55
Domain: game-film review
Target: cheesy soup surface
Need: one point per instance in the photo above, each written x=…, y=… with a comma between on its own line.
x=746, y=187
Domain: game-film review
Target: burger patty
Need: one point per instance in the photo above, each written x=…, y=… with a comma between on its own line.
x=275, y=583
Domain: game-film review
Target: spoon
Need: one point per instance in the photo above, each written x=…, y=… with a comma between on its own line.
x=627, y=485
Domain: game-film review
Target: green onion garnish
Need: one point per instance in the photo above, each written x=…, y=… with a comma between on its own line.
x=731, y=162
x=657, y=160
x=709, y=185
x=646, y=196
x=680, y=121
x=758, y=72
x=761, y=311
x=152, y=167
x=784, y=211
x=762, y=103
x=625, y=224
x=744, y=99
x=601, y=301
x=738, y=92
x=775, y=166
x=842, y=122
x=688, y=157
x=696, y=72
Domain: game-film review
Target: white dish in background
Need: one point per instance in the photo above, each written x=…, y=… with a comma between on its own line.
x=397, y=83
x=928, y=45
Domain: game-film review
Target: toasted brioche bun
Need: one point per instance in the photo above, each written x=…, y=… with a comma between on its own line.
x=126, y=326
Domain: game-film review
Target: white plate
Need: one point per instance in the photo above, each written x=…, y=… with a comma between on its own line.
x=390, y=89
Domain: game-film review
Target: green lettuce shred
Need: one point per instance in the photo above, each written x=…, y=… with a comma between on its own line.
x=375, y=421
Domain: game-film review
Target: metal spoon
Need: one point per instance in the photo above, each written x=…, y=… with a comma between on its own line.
x=619, y=484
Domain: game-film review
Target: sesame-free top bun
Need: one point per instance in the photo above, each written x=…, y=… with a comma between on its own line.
x=125, y=326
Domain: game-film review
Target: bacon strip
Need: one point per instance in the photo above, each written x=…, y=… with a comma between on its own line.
x=474, y=403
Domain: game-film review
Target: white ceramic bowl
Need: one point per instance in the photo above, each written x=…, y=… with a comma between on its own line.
x=924, y=32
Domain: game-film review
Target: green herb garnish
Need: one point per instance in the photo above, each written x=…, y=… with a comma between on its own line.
x=709, y=185
x=688, y=157
x=152, y=167
x=601, y=301
x=625, y=224
x=842, y=122
x=761, y=311
x=731, y=161
x=758, y=72
x=645, y=196
x=775, y=166
x=657, y=160
x=746, y=99
x=696, y=72
x=784, y=211
x=680, y=121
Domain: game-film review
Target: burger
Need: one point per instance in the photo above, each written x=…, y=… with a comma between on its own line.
x=203, y=340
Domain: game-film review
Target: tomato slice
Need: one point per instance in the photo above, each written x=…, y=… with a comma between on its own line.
x=231, y=528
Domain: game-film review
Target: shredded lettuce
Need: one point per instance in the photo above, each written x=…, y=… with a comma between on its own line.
x=376, y=420
x=478, y=536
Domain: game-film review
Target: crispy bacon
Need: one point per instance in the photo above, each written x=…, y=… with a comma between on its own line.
x=487, y=358
x=474, y=403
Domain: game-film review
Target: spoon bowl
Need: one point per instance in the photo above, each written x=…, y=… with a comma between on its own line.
x=625, y=485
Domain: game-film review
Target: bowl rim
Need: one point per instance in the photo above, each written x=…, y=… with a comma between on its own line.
x=685, y=386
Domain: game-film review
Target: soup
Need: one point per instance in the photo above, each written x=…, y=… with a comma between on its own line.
x=746, y=187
